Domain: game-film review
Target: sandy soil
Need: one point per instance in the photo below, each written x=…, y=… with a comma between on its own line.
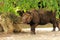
x=45, y=34
x=26, y=35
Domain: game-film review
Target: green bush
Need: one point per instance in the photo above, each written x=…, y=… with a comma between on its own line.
x=14, y=5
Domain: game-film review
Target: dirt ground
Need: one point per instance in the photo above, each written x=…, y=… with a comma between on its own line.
x=26, y=35
x=41, y=34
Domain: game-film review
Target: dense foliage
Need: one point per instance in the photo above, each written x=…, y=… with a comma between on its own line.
x=14, y=5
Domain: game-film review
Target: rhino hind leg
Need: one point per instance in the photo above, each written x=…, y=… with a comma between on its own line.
x=57, y=23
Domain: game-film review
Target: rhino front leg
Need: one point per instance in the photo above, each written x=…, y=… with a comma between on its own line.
x=33, y=28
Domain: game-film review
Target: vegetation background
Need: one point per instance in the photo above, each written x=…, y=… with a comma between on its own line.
x=14, y=5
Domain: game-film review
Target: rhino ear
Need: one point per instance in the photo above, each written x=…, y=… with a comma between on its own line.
x=20, y=12
x=28, y=12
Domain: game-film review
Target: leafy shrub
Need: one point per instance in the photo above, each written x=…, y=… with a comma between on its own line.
x=14, y=5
